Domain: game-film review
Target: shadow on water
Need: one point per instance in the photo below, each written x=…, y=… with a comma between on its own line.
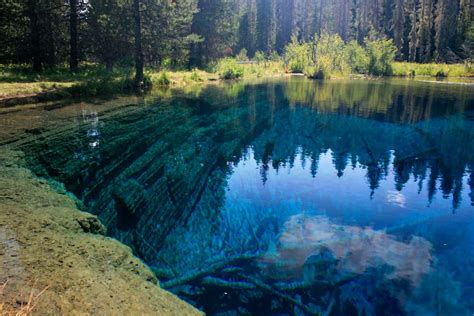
x=285, y=197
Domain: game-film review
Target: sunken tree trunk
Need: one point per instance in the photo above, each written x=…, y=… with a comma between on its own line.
x=73, y=54
x=138, y=45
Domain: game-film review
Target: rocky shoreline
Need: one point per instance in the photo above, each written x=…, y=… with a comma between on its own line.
x=49, y=247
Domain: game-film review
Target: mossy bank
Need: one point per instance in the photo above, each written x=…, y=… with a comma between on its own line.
x=47, y=244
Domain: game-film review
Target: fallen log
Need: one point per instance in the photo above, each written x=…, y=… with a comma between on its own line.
x=211, y=269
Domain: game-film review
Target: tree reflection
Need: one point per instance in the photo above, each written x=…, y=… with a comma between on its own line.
x=159, y=182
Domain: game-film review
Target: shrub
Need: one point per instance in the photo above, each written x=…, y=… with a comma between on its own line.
x=468, y=65
x=166, y=64
x=195, y=75
x=259, y=57
x=321, y=70
x=242, y=55
x=228, y=68
x=357, y=57
x=330, y=50
x=442, y=73
x=382, y=54
x=297, y=56
x=163, y=79
x=274, y=56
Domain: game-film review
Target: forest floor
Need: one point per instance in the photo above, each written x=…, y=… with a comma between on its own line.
x=55, y=259
x=18, y=85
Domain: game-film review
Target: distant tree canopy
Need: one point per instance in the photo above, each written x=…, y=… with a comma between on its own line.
x=187, y=33
x=422, y=30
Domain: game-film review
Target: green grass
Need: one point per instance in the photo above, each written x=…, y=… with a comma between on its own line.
x=90, y=80
x=94, y=80
x=432, y=70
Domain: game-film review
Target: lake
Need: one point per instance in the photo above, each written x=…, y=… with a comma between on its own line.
x=280, y=197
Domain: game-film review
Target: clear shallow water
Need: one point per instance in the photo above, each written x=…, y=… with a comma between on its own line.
x=284, y=197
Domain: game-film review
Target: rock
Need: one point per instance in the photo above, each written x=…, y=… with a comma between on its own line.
x=91, y=224
x=321, y=266
x=129, y=194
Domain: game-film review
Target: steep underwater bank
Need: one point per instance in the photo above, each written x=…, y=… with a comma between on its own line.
x=47, y=243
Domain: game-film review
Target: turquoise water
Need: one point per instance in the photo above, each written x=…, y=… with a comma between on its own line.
x=286, y=197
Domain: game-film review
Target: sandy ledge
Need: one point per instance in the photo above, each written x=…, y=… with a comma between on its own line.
x=46, y=242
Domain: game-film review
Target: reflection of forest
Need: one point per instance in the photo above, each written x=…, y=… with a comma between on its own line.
x=401, y=101
x=253, y=239
x=136, y=166
x=145, y=168
x=438, y=150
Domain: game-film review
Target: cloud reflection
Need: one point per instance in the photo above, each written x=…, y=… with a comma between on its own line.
x=397, y=198
x=355, y=248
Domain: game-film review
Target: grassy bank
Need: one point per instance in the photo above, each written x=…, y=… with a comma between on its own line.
x=18, y=84
x=405, y=69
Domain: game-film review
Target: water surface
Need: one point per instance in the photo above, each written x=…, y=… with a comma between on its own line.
x=281, y=197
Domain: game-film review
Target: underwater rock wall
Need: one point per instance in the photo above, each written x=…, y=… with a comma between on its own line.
x=142, y=168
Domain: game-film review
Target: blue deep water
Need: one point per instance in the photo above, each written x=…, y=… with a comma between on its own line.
x=285, y=197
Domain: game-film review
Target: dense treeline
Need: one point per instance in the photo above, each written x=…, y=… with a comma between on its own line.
x=188, y=33
x=422, y=30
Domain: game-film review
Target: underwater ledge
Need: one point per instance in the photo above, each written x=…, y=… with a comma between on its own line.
x=51, y=250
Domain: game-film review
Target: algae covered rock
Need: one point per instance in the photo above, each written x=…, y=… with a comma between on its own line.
x=91, y=224
x=129, y=195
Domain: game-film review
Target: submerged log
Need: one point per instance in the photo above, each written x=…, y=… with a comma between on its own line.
x=235, y=285
x=268, y=288
x=212, y=269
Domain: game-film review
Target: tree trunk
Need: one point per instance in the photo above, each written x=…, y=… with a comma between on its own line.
x=73, y=57
x=35, y=36
x=138, y=44
x=109, y=65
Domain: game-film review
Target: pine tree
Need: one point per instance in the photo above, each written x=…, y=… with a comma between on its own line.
x=247, y=27
x=425, y=28
x=217, y=23
x=411, y=9
x=266, y=25
x=285, y=25
x=139, y=77
x=397, y=27
x=35, y=42
x=73, y=58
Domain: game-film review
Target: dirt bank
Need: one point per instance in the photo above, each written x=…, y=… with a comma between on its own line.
x=47, y=243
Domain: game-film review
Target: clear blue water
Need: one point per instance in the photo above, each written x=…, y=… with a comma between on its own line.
x=288, y=197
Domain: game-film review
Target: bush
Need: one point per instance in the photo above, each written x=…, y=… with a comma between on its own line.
x=228, y=68
x=322, y=70
x=274, y=56
x=259, y=57
x=329, y=53
x=163, y=79
x=468, y=65
x=297, y=56
x=166, y=64
x=195, y=75
x=442, y=73
x=357, y=57
x=381, y=54
x=242, y=55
